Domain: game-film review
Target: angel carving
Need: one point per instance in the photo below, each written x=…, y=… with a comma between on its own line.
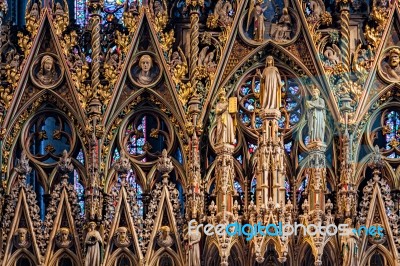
x=93, y=246
x=206, y=59
x=158, y=9
x=317, y=8
x=256, y=15
x=179, y=65
x=224, y=11
x=110, y=67
x=32, y=15
x=61, y=16
x=333, y=55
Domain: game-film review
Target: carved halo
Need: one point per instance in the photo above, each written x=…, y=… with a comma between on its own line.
x=52, y=79
x=386, y=72
x=155, y=72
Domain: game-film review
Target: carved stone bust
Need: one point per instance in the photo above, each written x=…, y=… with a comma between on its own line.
x=63, y=238
x=390, y=65
x=121, y=238
x=46, y=72
x=164, y=239
x=22, y=238
x=145, y=71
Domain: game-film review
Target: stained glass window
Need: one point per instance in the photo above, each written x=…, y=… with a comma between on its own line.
x=287, y=187
x=392, y=131
x=253, y=189
x=137, y=140
x=249, y=101
x=238, y=188
x=252, y=147
x=80, y=12
x=288, y=147
x=77, y=185
x=112, y=8
x=302, y=187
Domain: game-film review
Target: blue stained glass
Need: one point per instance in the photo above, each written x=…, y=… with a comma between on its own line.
x=287, y=187
x=393, y=124
x=237, y=186
x=249, y=104
x=307, y=140
x=116, y=156
x=80, y=191
x=253, y=188
x=258, y=122
x=252, y=148
x=257, y=87
x=80, y=12
x=137, y=141
x=294, y=89
x=245, y=90
x=288, y=147
x=240, y=159
x=302, y=187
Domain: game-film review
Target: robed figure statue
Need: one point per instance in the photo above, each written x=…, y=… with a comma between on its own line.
x=93, y=246
x=316, y=117
x=225, y=123
x=270, y=86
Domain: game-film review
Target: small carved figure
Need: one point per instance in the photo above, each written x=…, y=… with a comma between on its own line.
x=391, y=69
x=316, y=116
x=257, y=15
x=21, y=238
x=146, y=75
x=175, y=59
x=270, y=90
x=93, y=246
x=34, y=13
x=47, y=74
x=194, y=238
x=333, y=55
x=349, y=245
x=223, y=10
x=225, y=132
x=283, y=28
x=165, y=240
x=63, y=238
x=122, y=239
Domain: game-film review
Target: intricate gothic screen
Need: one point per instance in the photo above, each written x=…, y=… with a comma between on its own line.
x=199, y=132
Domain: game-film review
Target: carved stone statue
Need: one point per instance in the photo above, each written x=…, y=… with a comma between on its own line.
x=391, y=69
x=194, y=238
x=349, y=245
x=93, y=246
x=145, y=75
x=165, y=240
x=316, y=116
x=21, y=238
x=63, y=238
x=47, y=74
x=258, y=22
x=225, y=132
x=283, y=28
x=222, y=10
x=34, y=13
x=270, y=89
x=122, y=239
